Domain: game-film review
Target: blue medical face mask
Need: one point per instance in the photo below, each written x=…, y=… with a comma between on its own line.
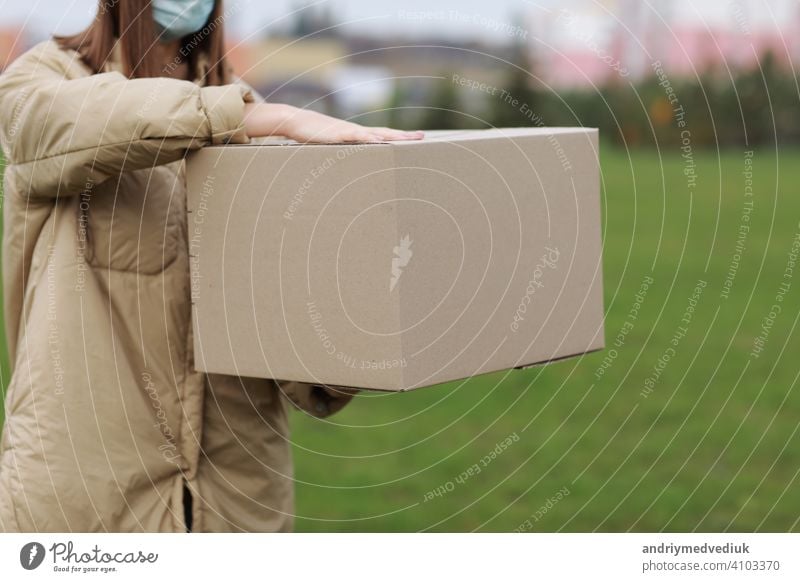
x=177, y=18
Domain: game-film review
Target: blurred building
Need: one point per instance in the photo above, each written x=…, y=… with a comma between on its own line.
x=348, y=75
x=289, y=69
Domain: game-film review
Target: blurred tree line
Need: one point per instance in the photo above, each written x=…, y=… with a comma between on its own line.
x=757, y=106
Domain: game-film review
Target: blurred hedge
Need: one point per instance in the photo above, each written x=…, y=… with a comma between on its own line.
x=721, y=108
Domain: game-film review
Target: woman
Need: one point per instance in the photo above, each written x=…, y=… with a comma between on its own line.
x=108, y=426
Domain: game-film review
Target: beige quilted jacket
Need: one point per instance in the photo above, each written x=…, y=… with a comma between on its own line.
x=108, y=427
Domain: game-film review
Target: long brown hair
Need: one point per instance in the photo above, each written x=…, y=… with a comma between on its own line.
x=130, y=23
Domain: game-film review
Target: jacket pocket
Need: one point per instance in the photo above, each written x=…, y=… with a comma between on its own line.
x=132, y=222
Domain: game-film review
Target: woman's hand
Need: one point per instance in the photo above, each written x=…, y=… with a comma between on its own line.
x=318, y=400
x=305, y=126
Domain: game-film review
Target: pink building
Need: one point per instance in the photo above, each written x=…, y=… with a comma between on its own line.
x=582, y=43
x=694, y=49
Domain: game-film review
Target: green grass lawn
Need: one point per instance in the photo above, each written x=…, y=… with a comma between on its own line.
x=714, y=445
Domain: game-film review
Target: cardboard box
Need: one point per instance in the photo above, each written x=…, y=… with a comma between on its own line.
x=399, y=265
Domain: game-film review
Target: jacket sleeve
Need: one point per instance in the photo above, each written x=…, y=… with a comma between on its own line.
x=61, y=135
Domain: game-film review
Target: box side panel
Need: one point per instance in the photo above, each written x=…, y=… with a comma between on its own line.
x=506, y=266
x=283, y=279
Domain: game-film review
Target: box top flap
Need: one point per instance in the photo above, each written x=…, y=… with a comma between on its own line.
x=438, y=135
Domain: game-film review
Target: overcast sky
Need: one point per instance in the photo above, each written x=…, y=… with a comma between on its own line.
x=448, y=18
x=47, y=16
